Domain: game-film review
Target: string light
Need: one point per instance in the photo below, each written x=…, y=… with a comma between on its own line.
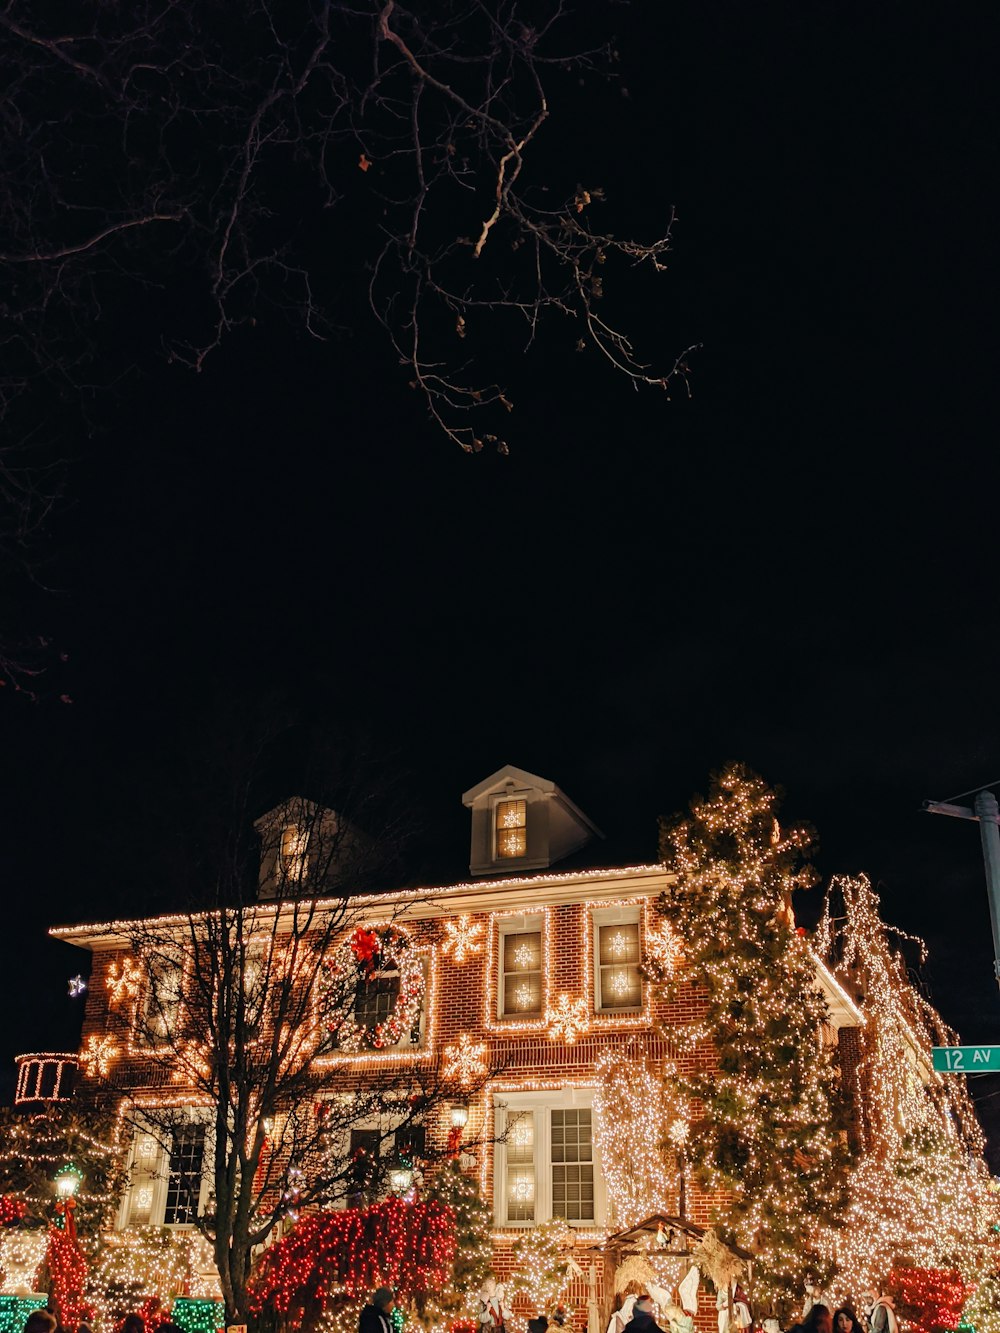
x=98, y=1055
x=541, y=1269
x=463, y=938
x=370, y=950
x=920, y=1200
x=410, y=1246
x=464, y=1061
x=123, y=981
x=637, y=1107
x=568, y=1020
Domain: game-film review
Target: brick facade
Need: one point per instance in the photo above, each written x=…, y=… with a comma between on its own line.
x=466, y=1001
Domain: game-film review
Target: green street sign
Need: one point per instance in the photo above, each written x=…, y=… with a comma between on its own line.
x=966, y=1059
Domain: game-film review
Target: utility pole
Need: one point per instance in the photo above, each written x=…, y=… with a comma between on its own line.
x=987, y=813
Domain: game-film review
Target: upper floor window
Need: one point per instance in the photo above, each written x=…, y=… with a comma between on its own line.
x=294, y=848
x=511, y=827
x=546, y=1159
x=521, y=964
x=619, y=982
x=161, y=1001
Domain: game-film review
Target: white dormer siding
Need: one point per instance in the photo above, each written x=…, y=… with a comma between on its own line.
x=522, y=822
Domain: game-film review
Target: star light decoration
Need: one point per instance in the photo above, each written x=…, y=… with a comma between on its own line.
x=98, y=1055
x=123, y=980
x=465, y=1061
x=77, y=987
x=568, y=1019
x=463, y=938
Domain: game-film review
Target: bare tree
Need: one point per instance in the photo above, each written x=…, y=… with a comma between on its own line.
x=310, y=157
x=240, y=1023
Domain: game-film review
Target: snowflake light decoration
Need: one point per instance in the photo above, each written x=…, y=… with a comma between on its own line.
x=465, y=1060
x=664, y=948
x=464, y=938
x=568, y=1020
x=98, y=1056
x=123, y=980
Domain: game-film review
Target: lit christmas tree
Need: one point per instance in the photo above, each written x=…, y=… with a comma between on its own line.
x=34, y=1147
x=473, y=1249
x=769, y=1130
x=921, y=1204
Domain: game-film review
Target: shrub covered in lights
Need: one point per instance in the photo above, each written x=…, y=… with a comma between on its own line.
x=407, y=1246
x=453, y=1189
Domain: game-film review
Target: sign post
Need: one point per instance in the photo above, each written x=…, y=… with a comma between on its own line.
x=966, y=1059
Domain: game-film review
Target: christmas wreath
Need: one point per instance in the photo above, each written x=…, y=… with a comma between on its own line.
x=370, y=951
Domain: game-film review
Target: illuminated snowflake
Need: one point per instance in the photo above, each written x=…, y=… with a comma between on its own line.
x=568, y=1020
x=664, y=948
x=98, y=1056
x=123, y=980
x=465, y=1060
x=618, y=945
x=465, y=937
x=619, y=984
x=524, y=955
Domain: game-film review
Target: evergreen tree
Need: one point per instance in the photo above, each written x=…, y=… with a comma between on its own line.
x=767, y=1129
x=34, y=1147
x=473, y=1248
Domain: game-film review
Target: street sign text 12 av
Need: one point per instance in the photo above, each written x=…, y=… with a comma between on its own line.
x=966, y=1059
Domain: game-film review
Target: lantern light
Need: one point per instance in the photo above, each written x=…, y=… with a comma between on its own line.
x=68, y=1180
x=459, y=1115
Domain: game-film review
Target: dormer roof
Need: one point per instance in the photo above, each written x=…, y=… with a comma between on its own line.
x=554, y=826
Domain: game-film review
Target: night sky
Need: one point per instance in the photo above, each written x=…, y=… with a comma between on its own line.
x=795, y=567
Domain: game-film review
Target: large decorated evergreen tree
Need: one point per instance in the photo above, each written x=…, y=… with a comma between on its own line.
x=766, y=1133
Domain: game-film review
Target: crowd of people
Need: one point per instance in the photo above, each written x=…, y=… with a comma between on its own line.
x=45, y=1321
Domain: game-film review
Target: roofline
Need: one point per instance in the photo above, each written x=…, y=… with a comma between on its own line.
x=828, y=979
x=468, y=895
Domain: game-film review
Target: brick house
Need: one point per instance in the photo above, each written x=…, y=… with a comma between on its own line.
x=531, y=967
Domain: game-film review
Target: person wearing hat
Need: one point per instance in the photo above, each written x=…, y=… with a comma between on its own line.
x=375, y=1317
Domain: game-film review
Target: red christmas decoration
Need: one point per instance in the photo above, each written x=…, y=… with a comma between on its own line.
x=366, y=947
x=68, y=1272
x=407, y=1246
x=936, y=1296
x=12, y=1209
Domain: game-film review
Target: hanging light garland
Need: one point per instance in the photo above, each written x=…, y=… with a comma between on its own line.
x=371, y=950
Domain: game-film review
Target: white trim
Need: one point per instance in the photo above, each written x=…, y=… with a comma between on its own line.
x=542, y=1103
x=614, y=916
x=529, y=923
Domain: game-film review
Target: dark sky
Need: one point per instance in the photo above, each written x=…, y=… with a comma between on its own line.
x=796, y=567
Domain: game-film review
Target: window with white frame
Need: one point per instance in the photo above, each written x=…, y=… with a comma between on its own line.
x=510, y=828
x=546, y=1162
x=617, y=957
x=371, y=1145
x=168, y=1174
x=294, y=855
x=162, y=994
x=521, y=967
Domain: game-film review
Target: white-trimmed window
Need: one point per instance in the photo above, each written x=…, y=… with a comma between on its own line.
x=169, y=1174
x=510, y=828
x=546, y=1160
x=161, y=996
x=521, y=955
x=617, y=957
x=294, y=852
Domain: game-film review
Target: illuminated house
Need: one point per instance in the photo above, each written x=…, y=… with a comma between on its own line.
x=530, y=968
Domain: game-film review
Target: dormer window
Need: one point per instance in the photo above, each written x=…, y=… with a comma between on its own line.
x=294, y=843
x=511, y=828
